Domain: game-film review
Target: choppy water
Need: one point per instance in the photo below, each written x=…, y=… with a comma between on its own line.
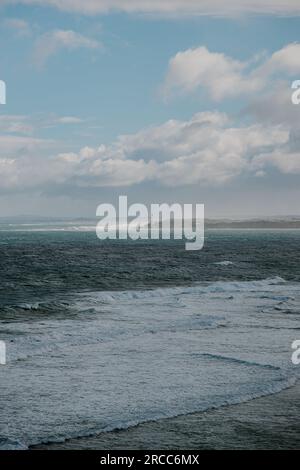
x=107, y=334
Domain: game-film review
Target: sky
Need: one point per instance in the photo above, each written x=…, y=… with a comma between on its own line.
x=164, y=101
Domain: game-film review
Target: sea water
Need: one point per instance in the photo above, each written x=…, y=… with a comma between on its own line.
x=104, y=335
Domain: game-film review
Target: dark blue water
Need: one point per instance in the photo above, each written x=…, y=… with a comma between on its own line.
x=38, y=265
x=103, y=335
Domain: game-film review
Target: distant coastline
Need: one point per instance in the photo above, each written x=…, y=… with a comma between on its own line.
x=254, y=224
x=24, y=221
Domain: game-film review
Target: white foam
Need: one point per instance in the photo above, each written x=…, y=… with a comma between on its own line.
x=8, y=444
x=224, y=263
x=132, y=356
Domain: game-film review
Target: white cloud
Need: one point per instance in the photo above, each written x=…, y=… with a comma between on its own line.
x=172, y=7
x=286, y=60
x=11, y=145
x=224, y=77
x=275, y=107
x=206, y=149
x=287, y=163
x=51, y=42
x=198, y=68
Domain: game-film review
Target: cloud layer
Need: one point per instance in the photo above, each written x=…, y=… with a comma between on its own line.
x=28, y=125
x=206, y=149
x=172, y=7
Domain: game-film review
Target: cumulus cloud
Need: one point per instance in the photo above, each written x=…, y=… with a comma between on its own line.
x=198, y=68
x=224, y=77
x=286, y=60
x=172, y=7
x=52, y=42
x=12, y=145
x=275, y=107
x=206, y=149
x=287, y=163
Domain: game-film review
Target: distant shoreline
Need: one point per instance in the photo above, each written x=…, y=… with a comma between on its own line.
x=28, y=223
x=68, y=227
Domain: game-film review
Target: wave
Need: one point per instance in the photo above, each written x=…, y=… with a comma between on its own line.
x=272, y=389
x=143, y=355
x=10, y=444
x=127, y=295
x=215, y=287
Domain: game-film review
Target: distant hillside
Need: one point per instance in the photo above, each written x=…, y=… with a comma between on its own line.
x=267, y=223
x=254, y=224
x=292, y=222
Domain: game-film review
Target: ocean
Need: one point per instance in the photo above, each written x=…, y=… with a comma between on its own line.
x=104, y=335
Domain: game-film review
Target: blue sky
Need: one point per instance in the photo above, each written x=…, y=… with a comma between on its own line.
x=77, y=82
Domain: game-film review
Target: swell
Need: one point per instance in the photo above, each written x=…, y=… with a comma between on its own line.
x=117, y=296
